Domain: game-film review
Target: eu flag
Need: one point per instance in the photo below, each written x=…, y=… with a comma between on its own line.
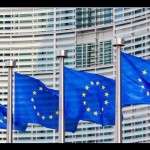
x=36, y=103
x=3, y=120
x=89, y=97
x=3, y=117
x=135, y=80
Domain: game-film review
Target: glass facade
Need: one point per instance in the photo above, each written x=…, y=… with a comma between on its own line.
x=90, y=17
x=31, y=36
x=89, y=54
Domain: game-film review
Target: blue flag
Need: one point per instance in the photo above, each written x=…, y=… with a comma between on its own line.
x=3, y=117
x=3, y=120
x=35, y=103
x=89, y=97
x=135, y=80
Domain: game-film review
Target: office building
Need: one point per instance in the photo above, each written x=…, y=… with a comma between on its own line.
x=31, y=36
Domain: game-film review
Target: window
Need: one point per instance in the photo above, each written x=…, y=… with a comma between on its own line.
x=118, y=9
x=127, y=14
x=138, y=11
x=105, y=52
x=138, y=46
x=119, y=16
x=138, y=39
x=89, y=54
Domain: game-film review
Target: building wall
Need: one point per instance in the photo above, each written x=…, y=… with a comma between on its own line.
x=31, y=36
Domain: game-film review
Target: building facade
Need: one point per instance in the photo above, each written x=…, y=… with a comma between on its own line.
x=31, y=36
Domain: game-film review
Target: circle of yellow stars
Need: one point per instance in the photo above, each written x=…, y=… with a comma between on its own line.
x=43, y=117
x=144, y=73
x=2, y=119
x=85, y=103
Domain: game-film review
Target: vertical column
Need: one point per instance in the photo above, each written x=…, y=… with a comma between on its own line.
x=10, y=64
x=61, y=54
x=118, y=42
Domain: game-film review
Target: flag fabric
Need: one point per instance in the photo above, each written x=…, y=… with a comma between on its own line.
x=36, y=103
x=135, y=74
x=3, y=120
x=3, y=117
x=89, y=97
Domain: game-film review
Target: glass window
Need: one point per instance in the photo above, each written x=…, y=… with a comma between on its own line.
x=126, y=8
x=127, y=14
x=118, y=9
x=118, y=16
x=138, y=11
x=139, y=45
x=105, y=52
x=138, y=39
x=127, y=42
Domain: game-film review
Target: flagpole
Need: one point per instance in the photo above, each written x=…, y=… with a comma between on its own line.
x=61, y=54
x=10, y=64
x=118, y=42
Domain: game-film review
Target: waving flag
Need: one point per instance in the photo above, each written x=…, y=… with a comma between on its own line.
x=89, y=97
x=3, y=120
x=135, y=80
x=35, y=103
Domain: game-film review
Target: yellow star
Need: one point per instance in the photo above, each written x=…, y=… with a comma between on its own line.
x=84, y=102
x=106, y=102
x=40, y=88
x=43, y=117
x=57, y=112
x=95, y=113
x=86, y=87
x=102, y=109
x=5, y=117
x=34, y=93
x=1, y=121
x=144, y=72
x=97, y=83
x=88, y=109
x=139, y=79
x=92, y=83
x=142, y=87
x=38, y=113
x=34, y=107
x=50, y=117
x=147, y=93
x=32, y=99
x=103, y=87
x=106, y=94
x=83, y=94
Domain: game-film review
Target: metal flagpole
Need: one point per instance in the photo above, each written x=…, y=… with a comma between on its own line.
x=118, y=42
x=61, y=54
x=10, y=64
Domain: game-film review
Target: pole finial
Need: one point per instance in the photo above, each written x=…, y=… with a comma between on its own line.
x=10, y=63
x=118, y=42
x=61, y=53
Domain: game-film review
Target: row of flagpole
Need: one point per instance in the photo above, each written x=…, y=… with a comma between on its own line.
x=118, y=43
